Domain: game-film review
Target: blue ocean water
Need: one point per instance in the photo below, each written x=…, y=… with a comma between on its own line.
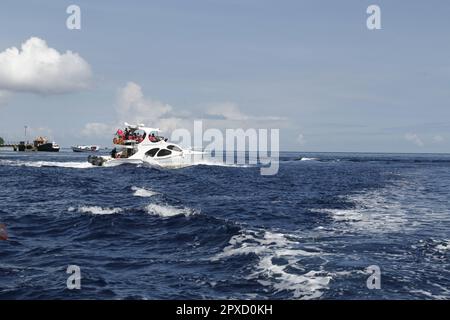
x=208, y=231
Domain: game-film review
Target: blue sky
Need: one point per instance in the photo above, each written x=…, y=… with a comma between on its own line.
x=310, y=68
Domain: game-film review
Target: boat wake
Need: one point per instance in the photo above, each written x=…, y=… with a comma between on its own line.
x=161, y=210
x=86, y=165
x=308, y=159
x=167, y=211
x=179, y=163
x=144, y=193
x=96, y=210
x=380, y=210
x=40, y=164
x=281, y=261
x=443, y=246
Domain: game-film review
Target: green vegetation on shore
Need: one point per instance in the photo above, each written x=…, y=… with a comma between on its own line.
x=2, y=142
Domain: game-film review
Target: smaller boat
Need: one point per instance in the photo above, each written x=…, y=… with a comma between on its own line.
x=85, y=148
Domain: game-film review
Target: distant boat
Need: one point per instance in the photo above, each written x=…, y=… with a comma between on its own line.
x=39, y=144
x=85, y=148
x=48, y=146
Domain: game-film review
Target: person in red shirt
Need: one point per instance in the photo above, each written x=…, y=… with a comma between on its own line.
x=152, y=138
x=3, y=234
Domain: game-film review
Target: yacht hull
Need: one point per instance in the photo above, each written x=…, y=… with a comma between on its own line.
x=111, y=162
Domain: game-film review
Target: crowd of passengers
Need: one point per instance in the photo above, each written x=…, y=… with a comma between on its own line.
x=123, y=136
x=133, y=135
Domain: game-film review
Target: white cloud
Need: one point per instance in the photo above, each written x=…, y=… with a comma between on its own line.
x=172, y=123
x=37, y=68
x=230, y=111
x=133, y=107
x=438, y=139
x=227, y=111
x=301, y=139
x=414, y=138
x=97, y=129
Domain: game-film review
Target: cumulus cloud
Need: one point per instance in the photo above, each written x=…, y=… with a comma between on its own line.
x=132, y=106
x=414, y=138
x=37, y=68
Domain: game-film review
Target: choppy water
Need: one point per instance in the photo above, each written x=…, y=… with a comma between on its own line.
x=226, y=232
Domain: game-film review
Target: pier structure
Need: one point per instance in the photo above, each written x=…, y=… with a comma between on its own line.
x=19, y=146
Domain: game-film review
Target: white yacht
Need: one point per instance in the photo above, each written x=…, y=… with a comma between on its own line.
x=139, y=144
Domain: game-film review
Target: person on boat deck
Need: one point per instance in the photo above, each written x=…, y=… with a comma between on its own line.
x=153, y=138
x=3, y=234
x=113, y=153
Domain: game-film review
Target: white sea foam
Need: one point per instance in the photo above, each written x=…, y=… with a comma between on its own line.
x=287, y=276
x=39, y=164
x=172, y=163
x=168, y=211
x=443, y=246
x=183, y=162
x=75, y=165
x=141, y=192
x=344, y=215
x=380, y=210
x=95, y=210
x=404, y=205
x=308, y=159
